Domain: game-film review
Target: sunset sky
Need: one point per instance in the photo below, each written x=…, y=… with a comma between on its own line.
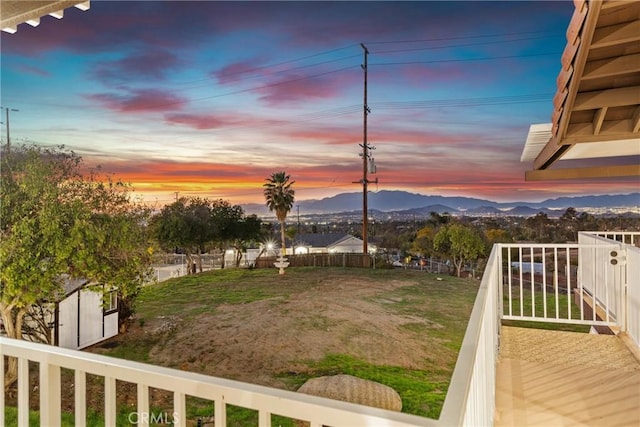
x=210, y=98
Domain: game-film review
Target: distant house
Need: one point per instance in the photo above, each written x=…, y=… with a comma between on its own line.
x=82, y=319
x=317, y=243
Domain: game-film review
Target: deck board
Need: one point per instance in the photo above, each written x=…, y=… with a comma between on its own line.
x=552, y=378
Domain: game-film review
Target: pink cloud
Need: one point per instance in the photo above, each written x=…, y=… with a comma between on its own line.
x=200, y=121
x=147, y=63
x=236, y=71
x=139, y=101
x=294, y=88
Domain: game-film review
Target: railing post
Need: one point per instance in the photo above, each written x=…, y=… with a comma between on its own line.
x=2, y=391
x=23, y=392
x=220, y=411
x=109, y=401
x=143, y=405
x=264, y=418
x=80, y=391
x=179, y=409
x=621, y=287
x=49, y=394
x=500, y=272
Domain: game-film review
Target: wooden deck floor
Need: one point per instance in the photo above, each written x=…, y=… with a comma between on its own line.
x=551, y=378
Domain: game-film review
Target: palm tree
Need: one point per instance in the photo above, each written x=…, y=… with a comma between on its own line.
x=279, y=197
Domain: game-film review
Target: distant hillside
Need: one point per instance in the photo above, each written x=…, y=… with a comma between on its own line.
x=420, y=204
x=425, y=211
x=618, y=200
x=387, y=201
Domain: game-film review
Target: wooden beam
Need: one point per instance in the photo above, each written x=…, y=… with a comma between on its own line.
x=610, y=130
x=583, y=173
x=612, y=67
x=635, y=121
x=586, y=34
x=619, y=97
x=598, y=119
x=617, y=3
x=546, y=153
x=612, y=35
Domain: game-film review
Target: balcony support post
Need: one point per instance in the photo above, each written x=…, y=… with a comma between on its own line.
x=80, y=393
x=180, y=409
x=109, y=401
x=23, y=391
x=50, y=401
x=143, y=405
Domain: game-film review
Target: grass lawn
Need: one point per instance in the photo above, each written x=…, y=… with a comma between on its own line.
x=397, y=327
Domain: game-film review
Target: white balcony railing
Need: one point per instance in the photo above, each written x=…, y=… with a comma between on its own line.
x=470, y=397
x=562, y=283
x=531, y=282
x=626, y=265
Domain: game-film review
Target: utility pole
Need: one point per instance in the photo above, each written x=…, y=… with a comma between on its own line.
x=367, y=160
x=298, y=207
x=177, y=192
x=7, y=109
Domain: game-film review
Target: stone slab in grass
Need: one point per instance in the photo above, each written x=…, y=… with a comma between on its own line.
x=355, y=390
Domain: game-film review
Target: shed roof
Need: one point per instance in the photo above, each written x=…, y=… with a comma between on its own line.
x=321, y=240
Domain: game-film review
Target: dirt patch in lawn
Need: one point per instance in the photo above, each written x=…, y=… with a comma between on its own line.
x=256, y=341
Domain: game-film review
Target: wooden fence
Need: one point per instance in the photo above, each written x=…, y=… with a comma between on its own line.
x=321, y=260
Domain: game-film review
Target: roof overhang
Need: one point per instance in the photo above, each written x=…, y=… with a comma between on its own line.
x=597, y=104
x=14, y=13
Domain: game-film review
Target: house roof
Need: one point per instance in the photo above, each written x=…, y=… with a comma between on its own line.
x=14, y=13
x=596, y=108
x=321, y=240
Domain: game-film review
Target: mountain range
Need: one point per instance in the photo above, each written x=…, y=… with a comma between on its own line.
x=420, y=204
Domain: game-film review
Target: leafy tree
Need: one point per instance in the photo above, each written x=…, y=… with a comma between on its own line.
x=571, y=222
x=461, y=243
x=423, y=243
x=279, y=198
x=568, y=225
x=226, y=224
x=198, y=225
x=58, y=223
x=498, y=235
x=540, y=228
x=186, y=225
x=436, y=220
x=250, y=231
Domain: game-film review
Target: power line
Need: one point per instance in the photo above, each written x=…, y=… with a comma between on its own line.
x=458, y=45
x=288, y=70
x=457, y=37
x=315, y=55
x=463, y=102
x=488, y=58
x=254, y=88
